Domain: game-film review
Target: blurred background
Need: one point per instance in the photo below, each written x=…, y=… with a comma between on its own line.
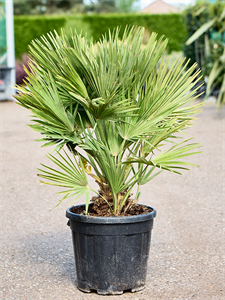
x=196, y=30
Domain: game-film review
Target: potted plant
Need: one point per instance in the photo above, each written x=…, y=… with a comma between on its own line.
x=110, y=109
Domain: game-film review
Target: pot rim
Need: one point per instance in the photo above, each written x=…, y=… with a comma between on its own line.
x=110, y=220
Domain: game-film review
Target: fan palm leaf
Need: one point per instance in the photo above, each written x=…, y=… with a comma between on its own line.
x=115, y=106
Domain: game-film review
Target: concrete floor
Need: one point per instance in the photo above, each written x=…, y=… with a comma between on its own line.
x=187, y=243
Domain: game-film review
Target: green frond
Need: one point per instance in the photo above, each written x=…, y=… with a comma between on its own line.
x=114, y=105
x=72, y=176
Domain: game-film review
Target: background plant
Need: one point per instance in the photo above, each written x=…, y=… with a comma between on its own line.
x=20, y=69
x=94, y=27
x=28, y=28
x=27, y=7
x=171, y=25
x=34, y=7
x=194, y=17
x=114, y=106
x=209, y=44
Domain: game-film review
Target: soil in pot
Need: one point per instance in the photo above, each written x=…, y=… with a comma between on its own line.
x=99, y=208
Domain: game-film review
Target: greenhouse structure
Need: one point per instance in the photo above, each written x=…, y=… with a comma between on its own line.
x=7, y=50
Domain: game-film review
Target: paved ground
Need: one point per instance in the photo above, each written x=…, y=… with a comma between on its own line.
x=187, y=243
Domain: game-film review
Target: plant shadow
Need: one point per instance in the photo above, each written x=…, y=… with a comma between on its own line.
x=51, y=252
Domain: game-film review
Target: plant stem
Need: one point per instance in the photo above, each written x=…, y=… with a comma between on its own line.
x=115, y=202
x=110, y=208
x=136, y=197
x=100, y=130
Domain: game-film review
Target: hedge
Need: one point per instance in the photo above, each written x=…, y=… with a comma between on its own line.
x=170, y=25
x=28, y=28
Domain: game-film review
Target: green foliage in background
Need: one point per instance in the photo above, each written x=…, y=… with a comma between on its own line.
x=46, y=7
x=194, y=17
x=127, y=6
x=207, y=43
x=37, y=7
x=28, y=28
x=77, y=22
x=170, y=25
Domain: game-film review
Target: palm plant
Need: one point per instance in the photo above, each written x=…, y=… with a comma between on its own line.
x=114, y=105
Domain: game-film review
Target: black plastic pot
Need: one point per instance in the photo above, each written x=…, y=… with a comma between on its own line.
x=111, y=253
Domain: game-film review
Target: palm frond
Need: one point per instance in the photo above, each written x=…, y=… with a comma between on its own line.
x=72, y=176
x=113, y=104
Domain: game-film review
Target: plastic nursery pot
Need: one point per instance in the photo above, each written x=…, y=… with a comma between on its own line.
x=111, y=253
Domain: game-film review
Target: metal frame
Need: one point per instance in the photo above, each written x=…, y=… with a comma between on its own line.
x=7, y=73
